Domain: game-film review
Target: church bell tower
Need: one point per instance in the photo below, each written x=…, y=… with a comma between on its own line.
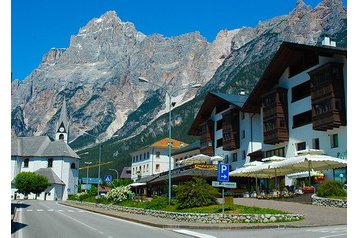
x=62, y=124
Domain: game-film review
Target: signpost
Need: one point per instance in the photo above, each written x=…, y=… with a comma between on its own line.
x=223, y=172
x=223, y=176
x=108, y=178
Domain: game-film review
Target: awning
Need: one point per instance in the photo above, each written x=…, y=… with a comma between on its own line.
x=137, y=184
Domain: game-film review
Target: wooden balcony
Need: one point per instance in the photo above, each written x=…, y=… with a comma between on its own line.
x=275, y=136
x=231, y=142
x=209, y=150
x=328, y=121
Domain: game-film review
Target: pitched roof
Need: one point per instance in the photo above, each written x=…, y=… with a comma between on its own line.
x=50, y=175
x=211, y=101
x=63, y=116
x=193, y=146
x=40, y=146
x=163, y=143
x=288, y=54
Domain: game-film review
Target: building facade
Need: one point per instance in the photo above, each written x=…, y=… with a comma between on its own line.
x=52, y=159
x=301, y=99
x=225, y=130
x=153, y=159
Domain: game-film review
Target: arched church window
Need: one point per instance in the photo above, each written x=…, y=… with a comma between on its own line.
x=73, y=166
x=61, y=137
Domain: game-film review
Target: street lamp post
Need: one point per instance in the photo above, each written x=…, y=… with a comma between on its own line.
x=170, y=144
x=99, y=160
x=87, y=163
x=115, y=171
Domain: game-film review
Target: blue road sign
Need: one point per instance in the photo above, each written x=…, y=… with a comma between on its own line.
x=108, y=178
x=223, y=172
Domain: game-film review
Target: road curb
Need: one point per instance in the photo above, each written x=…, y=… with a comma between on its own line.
x=195, y=225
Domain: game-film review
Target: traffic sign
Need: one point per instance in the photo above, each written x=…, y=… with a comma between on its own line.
x=223, y=172
x=223, y=184
x=108, y=178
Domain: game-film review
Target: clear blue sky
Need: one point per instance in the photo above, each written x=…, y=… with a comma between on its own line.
x=37, y=26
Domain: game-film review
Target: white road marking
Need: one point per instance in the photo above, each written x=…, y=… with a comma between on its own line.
x=60, y=210
x=40, y=210
x=70, y=210
x=29, y=210
x=193, y=233
x=50, y=210
x=79, y=221
x=342, y=234
x=115, y=218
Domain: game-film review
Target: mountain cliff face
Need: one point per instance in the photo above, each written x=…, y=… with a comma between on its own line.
x=98, y=74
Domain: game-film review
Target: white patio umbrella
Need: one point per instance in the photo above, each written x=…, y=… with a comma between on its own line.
x=216, y=159
x=196, y=159
x=306, y=163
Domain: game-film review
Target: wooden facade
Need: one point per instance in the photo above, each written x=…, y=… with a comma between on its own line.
x=327, y=95
x=231, y=128
x=275, y=115
x=207, y=138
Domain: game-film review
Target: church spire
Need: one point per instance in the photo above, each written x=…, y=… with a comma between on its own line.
x=62, y=124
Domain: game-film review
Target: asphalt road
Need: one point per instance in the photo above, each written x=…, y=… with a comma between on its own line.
x=44, y=219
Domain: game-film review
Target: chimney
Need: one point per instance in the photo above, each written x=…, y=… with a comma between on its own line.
x=328, y=42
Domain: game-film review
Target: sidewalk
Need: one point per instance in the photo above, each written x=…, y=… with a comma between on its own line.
x=314, y=216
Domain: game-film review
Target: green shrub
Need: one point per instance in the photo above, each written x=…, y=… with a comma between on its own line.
x=157, y=203
x=330, y=188
x=72, y=197
x=196, y=193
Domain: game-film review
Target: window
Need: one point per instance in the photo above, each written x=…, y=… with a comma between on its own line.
x=144, y=156
x=243, y=154
x=242, y=115
x=301, y=91
x=334, y=140
x=315, y=143
x=234, y=157
x=157, y=167
x=219, y=124
x=277, y=152
x=147, y=155
x=157, y=154
x=26, y=163
x=73, y=166
x=226, y=160
x=61, y=137
x=301, y=146
x=140, y=157
x=302, y=119
x=49, y=163
x=147, y=167
x=219, y=143
x=243, y=134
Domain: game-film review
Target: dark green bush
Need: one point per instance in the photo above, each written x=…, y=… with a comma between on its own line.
x=330, y=188
x=72, y=197
x=84, y=196
x=157, y=203
x=196, y=193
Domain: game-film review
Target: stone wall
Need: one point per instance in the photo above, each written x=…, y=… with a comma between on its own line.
x=199, y=217
x=328, y=202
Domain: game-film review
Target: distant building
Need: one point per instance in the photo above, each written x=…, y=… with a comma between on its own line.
x=126, y=173
x=153, y=159
x=52, y=159
x=186, y=152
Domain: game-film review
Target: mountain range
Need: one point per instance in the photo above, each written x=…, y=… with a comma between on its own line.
x=98, y=74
